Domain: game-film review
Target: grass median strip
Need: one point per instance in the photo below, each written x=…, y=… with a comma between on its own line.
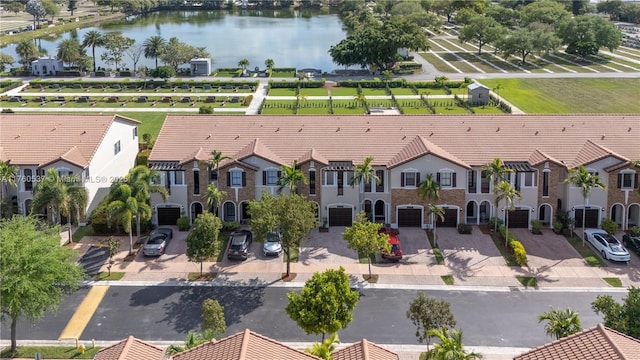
x=83, y=313
x=585, y=251
x=613, y=281
x=50, y=352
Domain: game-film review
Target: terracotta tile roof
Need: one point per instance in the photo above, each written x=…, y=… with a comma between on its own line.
x=538, y=157
x=199, y=154
x=418, y=147
x=313, y=154
x=596, y=343
x=130, y=349
x=364, y=350
x=39, y=139
x=246, y=345
x=591, y=152
x=475, y=140
x=258, y=148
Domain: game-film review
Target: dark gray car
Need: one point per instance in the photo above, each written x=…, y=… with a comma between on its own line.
x=239, y=243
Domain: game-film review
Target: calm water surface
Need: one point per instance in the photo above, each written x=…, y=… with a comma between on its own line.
x=291, y=39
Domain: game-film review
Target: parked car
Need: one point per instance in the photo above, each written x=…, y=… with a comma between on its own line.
x=164, y=230
x=632, y=242
x=239, y=244
x=607, y=245
x=273, y=245
x=395, y=253
x=155, y=245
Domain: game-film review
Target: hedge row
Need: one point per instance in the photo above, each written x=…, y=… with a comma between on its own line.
x=516, y=246
x=295, y=84
x=373, y=84
x=126, y=83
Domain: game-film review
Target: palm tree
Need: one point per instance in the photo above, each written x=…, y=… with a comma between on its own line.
x=27, y=51
x=324, y=349
x=216, y=159
x=144, y=182
x=561, y=323
x=269, y=63
x=7, y=177
x=291, y=177
x=362, y=174
x=508, y=193
x=430, y=189
x=437, y=213
x=244, y=64
x=61, y=194
x=581, y=178
x=93, y=38
x=450, y=346
x=123, y=207
x=497, y=172
x=213, y=197
x=69, y=51
x=154, y=47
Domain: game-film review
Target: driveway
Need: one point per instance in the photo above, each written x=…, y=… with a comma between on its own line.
x=327, y=247
x=415, y=247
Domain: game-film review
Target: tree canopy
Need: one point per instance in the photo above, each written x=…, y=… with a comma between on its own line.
x=36, y=271
x=202, y=241
x=363, y=236
x=623, y=317
x=428, y=313
x=585, y=35
x=325, y=303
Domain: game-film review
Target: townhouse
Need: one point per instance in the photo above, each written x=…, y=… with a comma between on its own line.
x=98, y=148
x=540, y=149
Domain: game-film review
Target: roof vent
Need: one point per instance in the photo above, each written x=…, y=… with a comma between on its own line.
x=338, y=129
x=602, y=138
x=404, y=137
x=564, y=129
x=237, y=137
x=430, y=135
x=629, y=130
x=368, y=129
x=469, y=129
x=300, y=130
x=83, y=132
x=498, y=129
x=537, y=132
x=278, y=129
x=209, y=137
x=54, y=128
x=17, y=136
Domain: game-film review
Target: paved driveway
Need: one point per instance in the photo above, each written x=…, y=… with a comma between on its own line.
x=324, y=248
x=415, y=247
x=548, y=250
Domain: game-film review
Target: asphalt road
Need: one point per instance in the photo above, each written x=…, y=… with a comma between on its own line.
x=167, y=313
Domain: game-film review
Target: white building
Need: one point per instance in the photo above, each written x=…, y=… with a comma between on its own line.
x=46, y=66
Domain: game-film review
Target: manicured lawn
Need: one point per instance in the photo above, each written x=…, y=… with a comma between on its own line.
x=342, y=91
x=380, y=103
x=314, y=92
x=104, y=275
x=223, y=239
x=226, y=74
x=568, y=95
x=81, y=232
x=402, y=91
x=279, y=107
x=151, y=122
x=446, y=110
x=313, y=107
x=347, y=107
x=586, y=252
x=506, y=253
x=283, y=74
x=613, y=281
x=282, y=92
x=487, y=110
x=314, y=111
x=447, y=279
x=51, y=352
x=428, y=92
x=528, y=281
x=415, y=110
x=374, y=92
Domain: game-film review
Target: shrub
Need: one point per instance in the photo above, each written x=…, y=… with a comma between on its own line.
x=230, y=225
x=247, y=100
x=464, y=228
x=183, y=223
x=143, y=157
x=635, y=231
x=519, y=252
x=536, y=226
x=163, y=72
x=493, y=220
x=609, y=226
x=205, y=110
x=557, y=226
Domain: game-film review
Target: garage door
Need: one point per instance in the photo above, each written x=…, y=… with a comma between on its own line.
x=591, y=221
x=168, y=216
x=450, y=218
x=519, y=218
x=340, y=217
x=410, y=217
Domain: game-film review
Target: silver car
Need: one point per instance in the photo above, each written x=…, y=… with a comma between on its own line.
x=155, y=245
x=273, y=245
x=608, y=246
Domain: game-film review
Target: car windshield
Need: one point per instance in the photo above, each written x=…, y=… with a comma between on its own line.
x=395, y=247
x=272, y=238
x=155, y=240
x=237, y=242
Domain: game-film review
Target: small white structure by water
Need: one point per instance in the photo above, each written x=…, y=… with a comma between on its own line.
x=46, y=66
x=200, y=67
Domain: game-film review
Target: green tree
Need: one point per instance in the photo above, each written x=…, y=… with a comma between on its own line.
x=560, y=323
x=269, y=64
x=27, y=52
x=244, y=64
x=362, y=174
x=429, y=189
x=291, y=177
x=36, y=271
x=202, y=241
x=72, y=6
x=545, y=12
x=496, y=171
x=214, y=162
x=363, y=236
x=450, y=346
x=213, y=197
x=7, y=178
x=585, y=35
x=294, y=215
x=14, y=7
x=65, y=195
x=523, y=42
x=324, y=349
x=114, y=47
x=325, y=303
x=213, y=317
x=623, y=317
x=50, y=8
x=581, y=178
x=154, y=47
x=509, y=194
x=192, y=340
x=69, y=51
x=123, y=206
x=613, y=8
x=37, y=10
x=93, y=39
x=481, y=30
x=177, y=53
x=428, y=313
x=114, y=247
x=144, y=182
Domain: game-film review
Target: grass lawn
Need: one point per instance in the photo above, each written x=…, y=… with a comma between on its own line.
x=283, y=74
x=278, y=111
x=415, y=110
x=151, y=122
x=448, y=110
x=585, y=251
x=402, y=91
x=567, y=95
x=374, y=92
x=487, y=110
x=294, y=254
x=81, y=232
x=436, y=251
x=314, y=92
x=447, y=279
x=104, y=275
x=528, y=281
x=613, y=281
x=314, y=110
x=223, y=239
x=428, y=91
x=226, y=74
x=343, y=91
x=282, y=92
x=380, y=103
x=279, y=107
x=206, y=276
x=51, y=352
x=506, y=253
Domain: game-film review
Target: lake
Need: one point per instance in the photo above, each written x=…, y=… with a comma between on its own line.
x=298, y=39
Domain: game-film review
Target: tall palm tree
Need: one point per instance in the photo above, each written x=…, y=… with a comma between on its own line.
x=123, y=207
x=429, y=189
x=450, y=346
x=61, y=194
x=560, y=323
x=27, y=51
x=244, y=64
x=437, y=213
x=363, y=173
x=69, y=51
x=496, y=171
x=269, y=63
x=581, y=178
x=213, y=197
x=7, y=177
x=291, y=177
x=144, y=182
x=154, y=47
x=216, y=159
x=93, y=39
x=509, y=194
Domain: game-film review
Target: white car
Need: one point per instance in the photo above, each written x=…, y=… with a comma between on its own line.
x=608, y=246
